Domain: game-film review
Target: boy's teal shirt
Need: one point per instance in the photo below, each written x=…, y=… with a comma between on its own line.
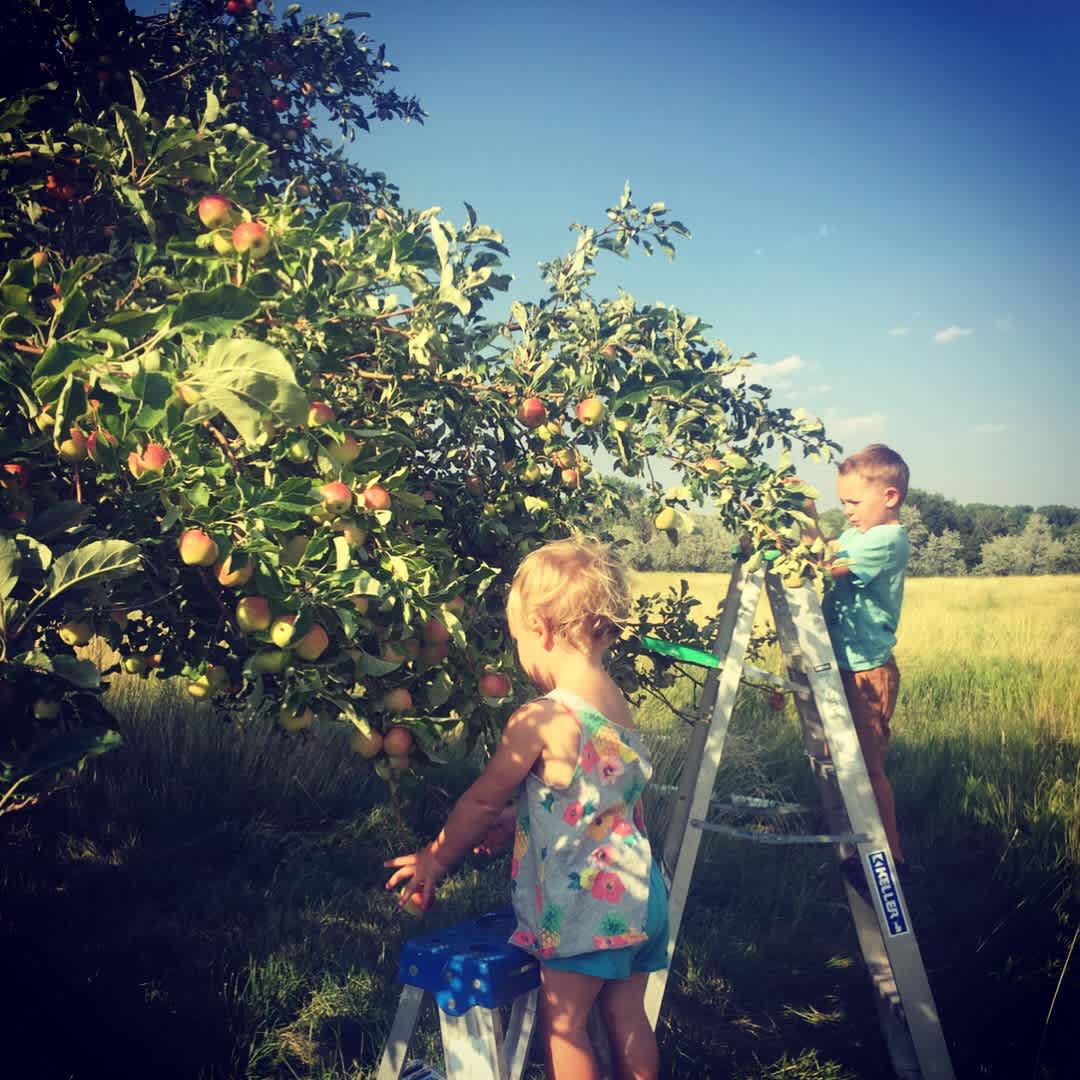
x=862, y=609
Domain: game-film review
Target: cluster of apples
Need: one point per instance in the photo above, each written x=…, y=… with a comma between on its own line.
x=533, y=414
x=245, y=238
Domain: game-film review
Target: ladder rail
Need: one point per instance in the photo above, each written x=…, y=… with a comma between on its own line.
x=918, y=1025
x=737, y=623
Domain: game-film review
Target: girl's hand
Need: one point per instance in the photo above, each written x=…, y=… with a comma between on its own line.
x=497, y=837
x=419, y=872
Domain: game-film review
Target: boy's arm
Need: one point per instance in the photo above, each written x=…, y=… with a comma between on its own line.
x=835, y=567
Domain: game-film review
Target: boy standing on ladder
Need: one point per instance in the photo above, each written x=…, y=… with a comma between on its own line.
x=862, y=611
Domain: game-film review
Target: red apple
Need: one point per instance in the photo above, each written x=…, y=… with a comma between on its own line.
x=154, y=458
x=377, y=497
x=398, y=741
x=320, y=413
x=233, y=578
x=532, y=412
x=197, y=549
x=590, y=411
x=251, y=236
x=366, y=745
x=253, y=614
x=571, y=478
x=494, y=686
x=279, y=103
x=398, y=700
x=336, y=497
x=777, y=700
x=434, y=631
x=313, y=644
x=344, y=453
x=74, y=448
x=214, y=211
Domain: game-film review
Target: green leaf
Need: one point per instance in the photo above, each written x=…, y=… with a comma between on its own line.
x=154, y=391
x=251, y=383
x=215, y=311
x=373, y=665
x=58, y=359
x=138, y=94
x=57, y=518
x=81, y=673
x=9, y=566
x=92, y=563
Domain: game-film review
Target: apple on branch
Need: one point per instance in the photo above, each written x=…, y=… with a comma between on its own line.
x=233, y=577
x=197, y=549
x=376, y=497
x=532, y=412
x=494, y=687
x=319, y=414
x=590, y=411
x=336, y=497
x=214, y=211
x=253, y=614
x=251, y=237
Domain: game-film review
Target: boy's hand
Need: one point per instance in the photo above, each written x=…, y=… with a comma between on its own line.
x=419, y=872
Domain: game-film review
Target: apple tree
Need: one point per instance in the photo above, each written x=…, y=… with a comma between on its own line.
x=288, y=446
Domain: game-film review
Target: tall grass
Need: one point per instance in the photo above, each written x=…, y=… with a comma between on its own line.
x=207, y=902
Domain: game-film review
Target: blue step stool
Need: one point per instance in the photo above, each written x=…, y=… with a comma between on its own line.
x=468, y=970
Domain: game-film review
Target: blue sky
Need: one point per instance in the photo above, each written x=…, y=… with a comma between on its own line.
x=883, y=198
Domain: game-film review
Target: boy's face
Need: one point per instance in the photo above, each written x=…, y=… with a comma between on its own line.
x=867, y=502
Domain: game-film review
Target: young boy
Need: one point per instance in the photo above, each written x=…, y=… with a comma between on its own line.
x=862, y=609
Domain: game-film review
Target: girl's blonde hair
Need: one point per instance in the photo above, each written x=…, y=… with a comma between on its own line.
x=578, y=586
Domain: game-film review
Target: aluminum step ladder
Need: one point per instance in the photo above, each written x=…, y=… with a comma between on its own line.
x=905, y=1004
x=469, y=971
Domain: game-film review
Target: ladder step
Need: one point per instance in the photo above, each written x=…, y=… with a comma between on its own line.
x=779, y=838
x=418, y=1070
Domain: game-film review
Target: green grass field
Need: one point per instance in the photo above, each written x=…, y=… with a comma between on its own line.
x=207, y=902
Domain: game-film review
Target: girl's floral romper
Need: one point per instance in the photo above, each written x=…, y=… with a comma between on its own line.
x=581, y=862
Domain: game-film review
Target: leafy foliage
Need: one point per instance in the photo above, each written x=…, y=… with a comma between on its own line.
x=298, y=407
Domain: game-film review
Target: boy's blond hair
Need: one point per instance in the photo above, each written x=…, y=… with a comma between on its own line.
x=879, y=463
x=578, y=586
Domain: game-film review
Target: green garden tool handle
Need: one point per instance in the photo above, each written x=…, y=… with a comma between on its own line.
x=680, y=652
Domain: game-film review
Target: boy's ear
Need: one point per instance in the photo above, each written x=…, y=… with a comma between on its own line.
x=892, y=497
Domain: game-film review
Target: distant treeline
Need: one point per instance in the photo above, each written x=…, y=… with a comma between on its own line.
x=947, y=539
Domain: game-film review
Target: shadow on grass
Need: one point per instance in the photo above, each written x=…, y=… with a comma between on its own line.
x=209, y=904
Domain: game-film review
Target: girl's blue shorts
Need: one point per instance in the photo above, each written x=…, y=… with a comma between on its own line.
x=650, y=955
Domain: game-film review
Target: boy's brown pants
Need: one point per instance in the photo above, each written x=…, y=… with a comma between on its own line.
x=871, y=697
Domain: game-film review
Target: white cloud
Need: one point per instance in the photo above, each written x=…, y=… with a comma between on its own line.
x=823, y=232
x=818, y=388
x=991, y=429
x=951, y=333
x=841, y=427
x=900, y=331
x=774, y=375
